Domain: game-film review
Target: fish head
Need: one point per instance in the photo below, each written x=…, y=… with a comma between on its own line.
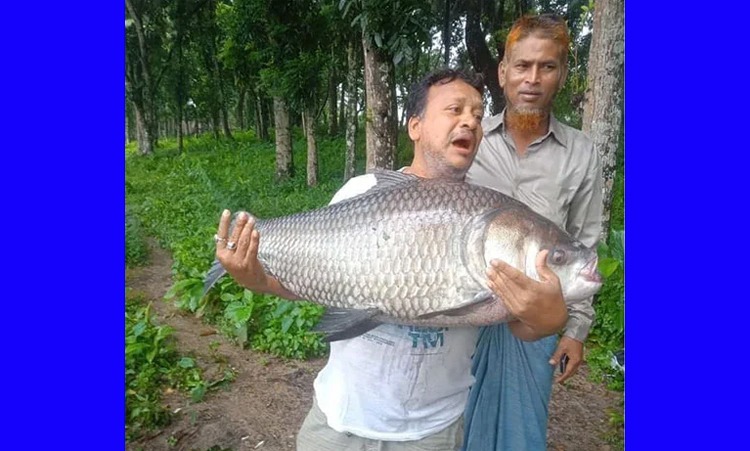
x=517, y=235
x=577, y=268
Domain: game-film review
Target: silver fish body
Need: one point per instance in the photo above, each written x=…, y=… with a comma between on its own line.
x=414, y=251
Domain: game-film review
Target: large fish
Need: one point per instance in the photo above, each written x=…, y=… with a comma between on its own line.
x=414, y=251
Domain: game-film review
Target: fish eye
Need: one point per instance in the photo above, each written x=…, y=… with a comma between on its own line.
x=558, y=256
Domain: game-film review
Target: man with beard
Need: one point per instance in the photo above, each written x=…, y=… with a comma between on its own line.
x=553, y=168
x=403, y=387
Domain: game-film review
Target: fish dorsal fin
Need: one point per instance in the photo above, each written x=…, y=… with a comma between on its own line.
x=386, y=178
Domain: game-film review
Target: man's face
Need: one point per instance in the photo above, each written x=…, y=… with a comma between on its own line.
x=532, y=74
x=448, y=133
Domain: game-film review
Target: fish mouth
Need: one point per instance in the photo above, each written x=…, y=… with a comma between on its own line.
x=590, y=271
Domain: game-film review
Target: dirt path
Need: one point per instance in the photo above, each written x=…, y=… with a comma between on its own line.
x=263, y=407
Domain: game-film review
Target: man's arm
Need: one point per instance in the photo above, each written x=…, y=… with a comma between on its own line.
x=585, y=223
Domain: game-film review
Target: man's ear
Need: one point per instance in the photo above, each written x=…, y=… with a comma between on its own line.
x=501, y=73
x=415, y=128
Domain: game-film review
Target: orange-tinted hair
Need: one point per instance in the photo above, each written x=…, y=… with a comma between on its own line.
x=547, y=26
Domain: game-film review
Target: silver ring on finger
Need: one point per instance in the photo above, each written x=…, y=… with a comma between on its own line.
x=231, y=245
x=218, y=239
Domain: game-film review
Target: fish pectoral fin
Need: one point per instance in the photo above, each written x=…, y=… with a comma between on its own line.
x=342, y=324
x=215, y=273
x=479, y=298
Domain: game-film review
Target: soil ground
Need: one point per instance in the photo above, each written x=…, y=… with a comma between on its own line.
x=265, y=404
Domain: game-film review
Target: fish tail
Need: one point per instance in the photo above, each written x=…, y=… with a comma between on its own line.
x=212, y=276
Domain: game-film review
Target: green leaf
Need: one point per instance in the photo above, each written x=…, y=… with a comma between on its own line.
x=198, y=392
x=286, y=323
x=282, y=308
x=179, y=286
x=134, y=348
x=229, y=297
x=242, y=333
x=607, y=266
x=238, y=313
x=152, y=354
x=186, y=362
x=617, y=244
x=163, y=332
x=139, y=328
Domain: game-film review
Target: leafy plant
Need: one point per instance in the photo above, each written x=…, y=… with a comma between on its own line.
x=285, y=329
x=608, y=331
x=136, y=249
x=152, y=365
x=178, y=199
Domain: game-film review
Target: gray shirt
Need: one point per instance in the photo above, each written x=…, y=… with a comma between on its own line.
x=559, y=177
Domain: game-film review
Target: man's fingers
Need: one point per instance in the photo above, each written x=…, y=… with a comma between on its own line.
x=569, y=371
x=252, y=252
x=556, y=356
x=223, y=230
x=238, y=226
x=243, y=242
x=511, y=274
x=498, y=283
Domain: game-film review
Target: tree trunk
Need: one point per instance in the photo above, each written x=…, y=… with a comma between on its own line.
x=219, y=89
x=480, y=55
x=308, y=123
x=142, y=89
x=215, y=122
x=602, y=111
x=260, y=119
x=145, y=140
x=284, y=163
x=522, y=7
x=342, y=104
x=380, y=121
x=333, y=126
x=241, y=107
x=447, y=32
x=351, y=114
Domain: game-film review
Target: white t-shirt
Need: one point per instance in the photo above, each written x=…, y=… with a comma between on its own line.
x=395, y=382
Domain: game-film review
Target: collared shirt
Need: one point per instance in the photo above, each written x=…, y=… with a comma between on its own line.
x=559, y=177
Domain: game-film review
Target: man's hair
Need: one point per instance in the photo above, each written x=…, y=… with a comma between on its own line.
x=417, y=100
x=547, y=26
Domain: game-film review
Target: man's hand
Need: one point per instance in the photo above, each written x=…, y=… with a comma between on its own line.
x=539, y=307
x=571, y=348
x=241, y=262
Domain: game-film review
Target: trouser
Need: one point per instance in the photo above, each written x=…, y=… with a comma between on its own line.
x=316, y=435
